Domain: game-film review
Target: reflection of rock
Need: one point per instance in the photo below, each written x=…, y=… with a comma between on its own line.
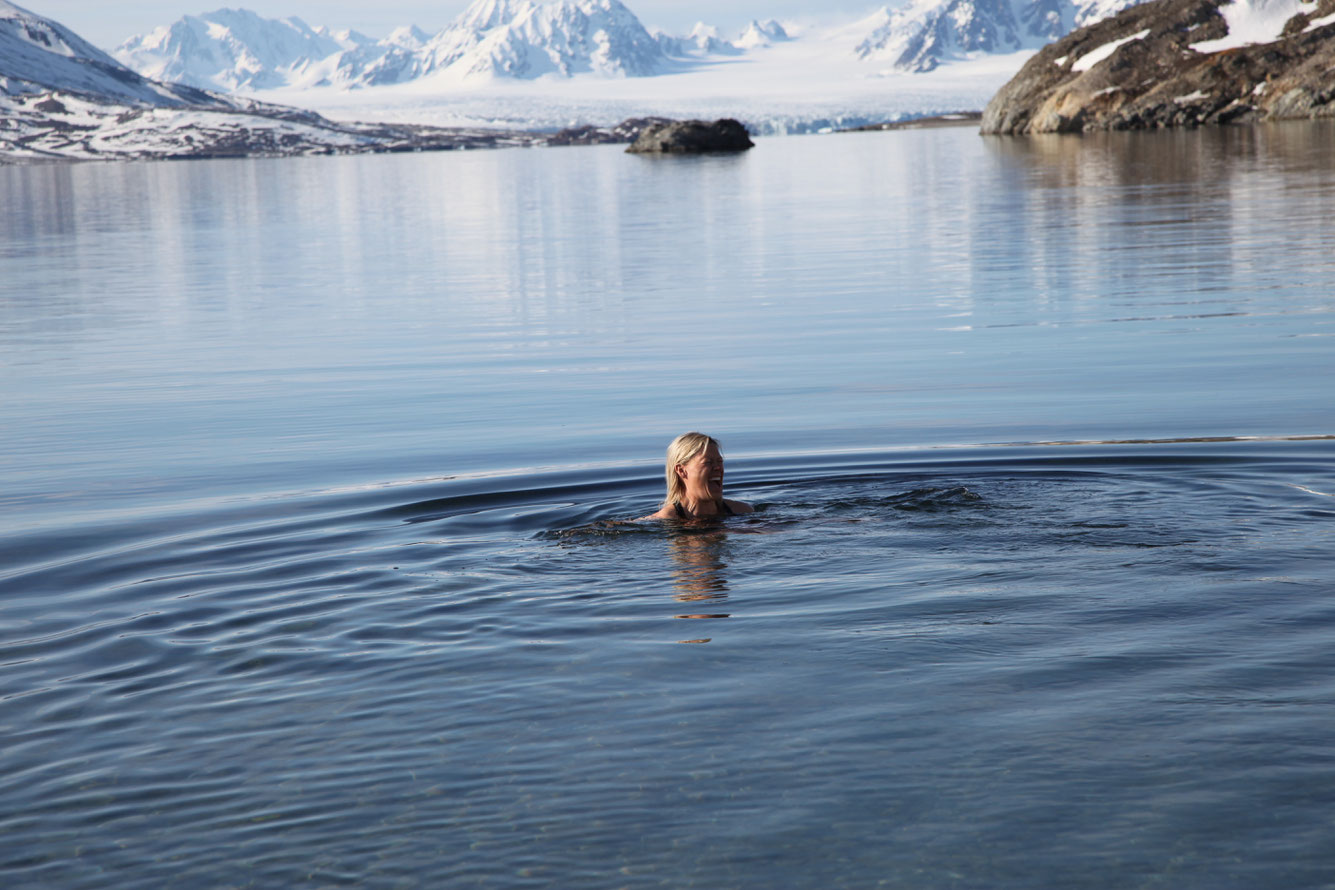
x=690, y=137
x=1176, y=63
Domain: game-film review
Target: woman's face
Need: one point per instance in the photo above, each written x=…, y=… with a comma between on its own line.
x=703, y=475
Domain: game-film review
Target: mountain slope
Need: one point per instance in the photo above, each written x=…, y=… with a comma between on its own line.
x=527, y=39
x=38, y=54
x=928, y=32
x=235, y=49
x=1177, y=63
x=61, y=98
x=521, y=39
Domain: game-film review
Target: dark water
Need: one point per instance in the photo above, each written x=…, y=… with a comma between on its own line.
x=315, y=567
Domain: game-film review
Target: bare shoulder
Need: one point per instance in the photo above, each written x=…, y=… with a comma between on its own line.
x=739, y=507
x=665, y=512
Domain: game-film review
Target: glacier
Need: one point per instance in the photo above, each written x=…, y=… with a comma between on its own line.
x=556, y=63
x=533, y=39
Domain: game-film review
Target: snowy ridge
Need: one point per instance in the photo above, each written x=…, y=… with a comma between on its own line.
x=62, y=98
x=233, y=49
x=928, y=32
x=526, y=39
x=762, y=34
x=521, y=39
x=533, y=39
x=38, y=54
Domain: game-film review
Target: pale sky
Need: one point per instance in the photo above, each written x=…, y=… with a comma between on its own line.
x=107, y=24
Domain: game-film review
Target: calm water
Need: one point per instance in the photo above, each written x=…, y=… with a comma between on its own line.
x=314, y=568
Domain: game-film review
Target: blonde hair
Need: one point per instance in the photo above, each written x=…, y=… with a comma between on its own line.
x=682, y=449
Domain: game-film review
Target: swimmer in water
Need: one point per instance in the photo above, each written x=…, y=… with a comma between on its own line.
x=695, y=481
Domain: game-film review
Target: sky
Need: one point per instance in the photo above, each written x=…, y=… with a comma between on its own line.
x=107, y=24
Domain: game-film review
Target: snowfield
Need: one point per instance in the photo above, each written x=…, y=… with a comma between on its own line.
x=547, y=64
x=791, y=87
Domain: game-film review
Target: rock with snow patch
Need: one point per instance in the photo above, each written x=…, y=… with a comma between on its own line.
x=1172, y=63
x=692, y=137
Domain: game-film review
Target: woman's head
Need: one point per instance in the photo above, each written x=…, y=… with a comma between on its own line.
x=688, y=454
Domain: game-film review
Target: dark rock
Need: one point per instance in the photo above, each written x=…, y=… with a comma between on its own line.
x=1154, y=78
x=691, y=137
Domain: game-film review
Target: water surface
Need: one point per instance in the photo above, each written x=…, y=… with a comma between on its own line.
x=316, y=569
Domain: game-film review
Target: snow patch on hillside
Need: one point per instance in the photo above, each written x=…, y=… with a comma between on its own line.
x=1254, y=21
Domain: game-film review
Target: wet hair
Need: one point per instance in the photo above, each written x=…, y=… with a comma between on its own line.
x=682, y=450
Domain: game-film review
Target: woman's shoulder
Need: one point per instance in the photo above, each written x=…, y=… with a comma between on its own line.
x=739, y=507
x=664, y=512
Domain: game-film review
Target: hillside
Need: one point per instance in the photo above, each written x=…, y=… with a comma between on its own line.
x=1177, y=63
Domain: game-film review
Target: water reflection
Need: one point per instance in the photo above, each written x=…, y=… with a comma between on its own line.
x=1158, y=226
x=699, y=575
x=1159, y=158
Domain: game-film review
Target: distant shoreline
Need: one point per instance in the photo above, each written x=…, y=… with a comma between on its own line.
x=953, y=119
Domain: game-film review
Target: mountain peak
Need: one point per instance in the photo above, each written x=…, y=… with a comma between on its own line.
x=762, y=34
x=927, y=32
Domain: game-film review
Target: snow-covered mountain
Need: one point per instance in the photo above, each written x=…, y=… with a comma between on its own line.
x=37, y=55
x=235, y=49
x=703, y=40
x=527, y=39
x=928, y=32
x=60, y=97
x=762, y=34
x=523, y=39
x=532, y=39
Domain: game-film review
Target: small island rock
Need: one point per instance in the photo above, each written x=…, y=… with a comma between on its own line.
x=683, y=137
x=1142, y=69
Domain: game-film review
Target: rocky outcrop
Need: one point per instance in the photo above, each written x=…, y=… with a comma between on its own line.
x=1170, y=63
x=693, y=137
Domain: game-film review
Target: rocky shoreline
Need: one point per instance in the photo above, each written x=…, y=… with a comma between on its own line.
x=1151, y=66
x=64, y=126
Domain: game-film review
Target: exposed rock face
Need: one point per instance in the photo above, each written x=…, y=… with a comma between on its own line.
x=1172, y=63
x=693, y=137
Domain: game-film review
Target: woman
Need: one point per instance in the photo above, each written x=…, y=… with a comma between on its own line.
x=695, y=481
